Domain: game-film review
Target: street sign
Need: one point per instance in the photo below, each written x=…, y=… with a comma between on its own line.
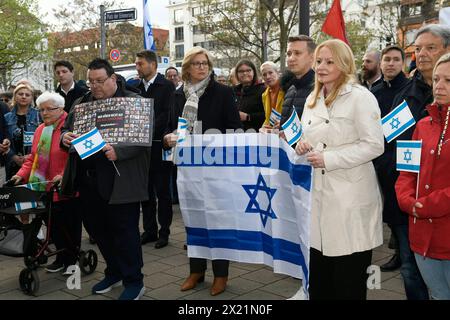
x=114, y=55
x=120, y=15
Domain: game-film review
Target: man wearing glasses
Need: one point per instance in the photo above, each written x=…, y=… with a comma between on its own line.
x=110, y=201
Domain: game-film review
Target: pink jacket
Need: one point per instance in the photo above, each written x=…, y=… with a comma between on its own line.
x=58, y=156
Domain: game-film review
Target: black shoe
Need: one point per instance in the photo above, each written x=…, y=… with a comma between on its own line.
x=161, y=243
x=392, y=264
x=147, y=237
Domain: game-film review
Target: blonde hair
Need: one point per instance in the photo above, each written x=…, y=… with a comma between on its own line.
x=189, y=56
x=20, y=87
x=344, y=60
x=443, y=59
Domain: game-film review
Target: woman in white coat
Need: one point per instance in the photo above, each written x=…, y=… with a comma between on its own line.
x=342, y=134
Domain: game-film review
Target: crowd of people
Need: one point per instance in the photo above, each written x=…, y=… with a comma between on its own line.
x=356, y=184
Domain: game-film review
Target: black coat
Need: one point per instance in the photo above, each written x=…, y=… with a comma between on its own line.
x=297, y=90
x=133, y=164
x=385, y=93
x=216, y=108
x=249, y=100
x=418, y=95
x=160, y=91
x=77, y=92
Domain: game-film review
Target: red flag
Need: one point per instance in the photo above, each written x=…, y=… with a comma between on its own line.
x=334, y=24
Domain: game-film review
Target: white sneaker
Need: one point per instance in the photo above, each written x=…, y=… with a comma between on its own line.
x=300, y=295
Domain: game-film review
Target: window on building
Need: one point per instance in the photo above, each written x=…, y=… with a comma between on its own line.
x=196, y=11
x=179, y=51
x=196, y=29
x=179, y=34
x=178, y=16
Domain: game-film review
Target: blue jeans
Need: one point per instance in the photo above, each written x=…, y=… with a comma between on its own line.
x=436, y=274
x=415, y=287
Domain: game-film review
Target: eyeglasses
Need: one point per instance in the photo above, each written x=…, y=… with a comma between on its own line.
x=48, y=110
x=91, y=83
x=200, y=64
x=245, y=71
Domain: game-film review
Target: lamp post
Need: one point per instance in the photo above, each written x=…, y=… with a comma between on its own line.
x=102, y=32
x=303, y=17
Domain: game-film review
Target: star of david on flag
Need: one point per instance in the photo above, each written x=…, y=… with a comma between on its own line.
x=408, y=155
x=89, y=143
x=28, y=138
x=397, y=121
x=292, y=128
x=246, y=197
x=149, y=41
x=254, y=206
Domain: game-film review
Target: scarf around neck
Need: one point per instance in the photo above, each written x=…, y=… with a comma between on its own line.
x=193, y=92
x=41, y=161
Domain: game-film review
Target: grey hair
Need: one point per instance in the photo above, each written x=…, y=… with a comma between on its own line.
x=438, y=30
x=269, y=64
x=54, y=97
x=377, y=53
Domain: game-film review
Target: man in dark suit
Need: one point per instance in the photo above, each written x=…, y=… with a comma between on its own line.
x=154, y=85
x=68, y=88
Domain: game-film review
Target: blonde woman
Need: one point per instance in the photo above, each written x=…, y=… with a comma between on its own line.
x=203, y=100
x=342, y=134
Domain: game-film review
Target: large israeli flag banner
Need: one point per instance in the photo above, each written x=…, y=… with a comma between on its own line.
x=292, y=128
x=246, y=198
x=397, y=121
x=88, y=143
x=149, y=41
x=408, y=155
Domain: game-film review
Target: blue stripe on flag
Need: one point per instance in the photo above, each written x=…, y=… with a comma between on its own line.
x=407, y=144
x=83, y=137
x=408, y=167
x=295, y=138
x=394, y=112
x=290, y=120
x=279, y=249
x=247, y=156
x=400, y=130
x=92, y=151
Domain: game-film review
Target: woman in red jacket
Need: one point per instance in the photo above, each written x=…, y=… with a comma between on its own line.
x=43, y=168
x=429, y=214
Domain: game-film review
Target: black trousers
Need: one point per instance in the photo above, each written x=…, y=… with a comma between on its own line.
x=220, y=267
x=115, y=227
x=66, y=230
x=339, y=278
x=158, y=188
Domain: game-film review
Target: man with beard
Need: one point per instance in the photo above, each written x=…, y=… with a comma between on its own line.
x=370, y=69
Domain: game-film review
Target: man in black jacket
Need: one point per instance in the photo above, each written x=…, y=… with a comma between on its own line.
x=392, y=63
x=113, y=200
x=298, y=82
x=154, y=85
x=68, y=88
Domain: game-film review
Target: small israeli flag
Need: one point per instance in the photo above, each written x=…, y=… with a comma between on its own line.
x=167, y=155
x=182, y=129
x=28, y=138
x=88, y=143
x=292, y=128
x=275, y=116
x=20, y=206
x=408, y=155
x=397, y=121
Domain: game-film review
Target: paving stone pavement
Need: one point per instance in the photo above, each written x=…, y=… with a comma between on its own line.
x=165, y=269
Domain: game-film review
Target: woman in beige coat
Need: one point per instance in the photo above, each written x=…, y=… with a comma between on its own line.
x=342, y=134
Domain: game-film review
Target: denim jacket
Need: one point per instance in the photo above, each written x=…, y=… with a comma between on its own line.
x=33, y=121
